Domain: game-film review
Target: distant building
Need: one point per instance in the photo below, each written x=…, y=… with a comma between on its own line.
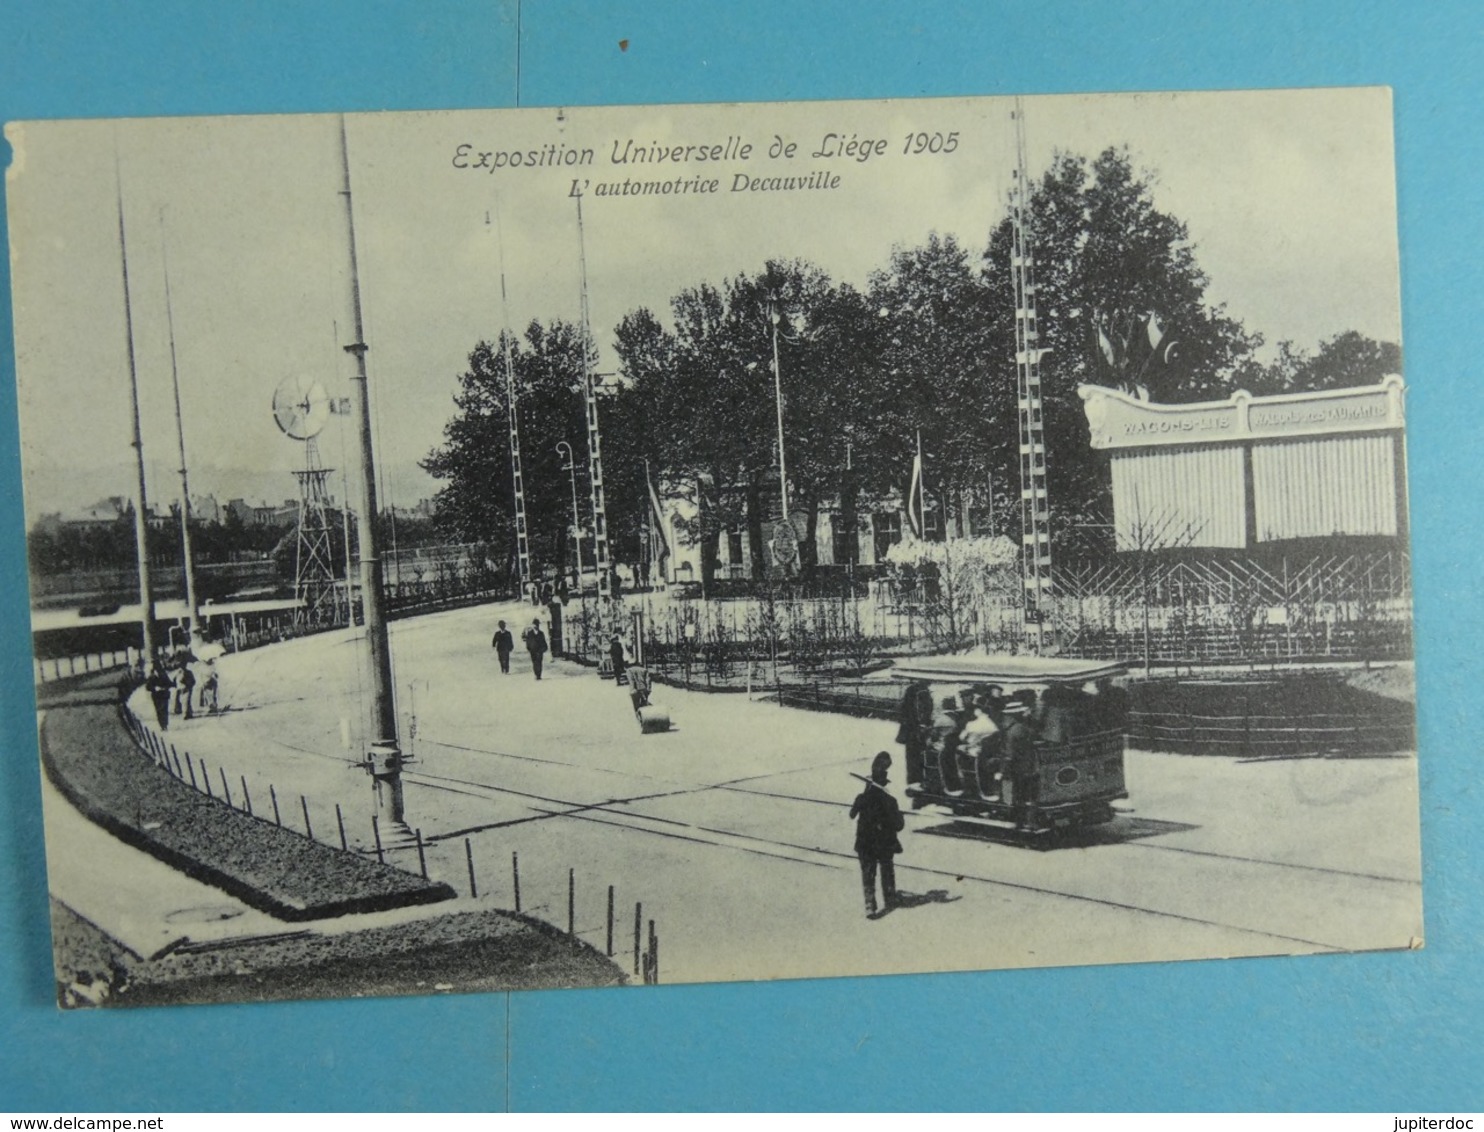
x=879, y=525
x=240, y=510
x=206, y=509
x=422, y=509
x=104, y=513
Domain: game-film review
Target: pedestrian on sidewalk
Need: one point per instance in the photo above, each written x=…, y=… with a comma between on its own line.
x=160, y=686
x=186, y=683
x=616, y=655
x=535, y=641
x=503, y=644
x=210, y=689
x=128, y=681
x=878, y=820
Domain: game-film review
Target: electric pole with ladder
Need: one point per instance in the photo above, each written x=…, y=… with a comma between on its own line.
x=522, y=535
x=594, y=441
x=1034, y=501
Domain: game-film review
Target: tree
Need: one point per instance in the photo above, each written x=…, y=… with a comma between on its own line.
x=705, y=391
x=939, y=334
x=1106, y=260
x=477, y=503
x=1341, y=362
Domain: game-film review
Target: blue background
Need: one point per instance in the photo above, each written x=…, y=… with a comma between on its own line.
x=1376, y=1032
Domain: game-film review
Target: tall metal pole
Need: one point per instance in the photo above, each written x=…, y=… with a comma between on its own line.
x=350, y=611
x=594, y=440
x=774, y=315
x=385, y=757
x=141, y=522
x=651, y=517
x=921, y=490
x=517, y=473
x=570, y=467
x=1034, y=499
x=185, y=483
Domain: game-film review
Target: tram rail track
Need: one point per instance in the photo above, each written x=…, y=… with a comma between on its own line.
x=737, y=786
x=616, y=812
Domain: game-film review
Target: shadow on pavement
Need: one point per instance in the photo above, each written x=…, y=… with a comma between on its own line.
x=907, y=900
x=1121, y=830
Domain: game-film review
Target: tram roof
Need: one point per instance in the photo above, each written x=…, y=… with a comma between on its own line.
x=1004, y=669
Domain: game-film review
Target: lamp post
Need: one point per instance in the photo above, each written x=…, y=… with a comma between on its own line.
x=570, y=467
x=775, y=316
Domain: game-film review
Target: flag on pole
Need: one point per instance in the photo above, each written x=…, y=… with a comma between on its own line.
x=914, y=497
x=1155, y=331
x=659, y=544
x=1106, y=346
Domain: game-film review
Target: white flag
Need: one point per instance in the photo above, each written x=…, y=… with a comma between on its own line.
x=914, y=497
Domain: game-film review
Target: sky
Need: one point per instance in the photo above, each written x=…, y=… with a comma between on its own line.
x=1289, y=198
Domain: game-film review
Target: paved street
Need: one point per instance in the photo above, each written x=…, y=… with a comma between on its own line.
x=732, y=829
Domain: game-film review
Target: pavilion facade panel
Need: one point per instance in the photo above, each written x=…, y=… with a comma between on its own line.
x=1250, y=470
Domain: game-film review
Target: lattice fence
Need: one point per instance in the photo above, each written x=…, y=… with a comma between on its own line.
x=1238, y=610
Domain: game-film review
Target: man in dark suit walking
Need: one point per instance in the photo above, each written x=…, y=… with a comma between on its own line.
x=503, y=644
x=878, y=820
x=535, y=645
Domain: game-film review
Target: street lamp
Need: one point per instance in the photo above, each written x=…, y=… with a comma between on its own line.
x=570, y=467
x=775, y=316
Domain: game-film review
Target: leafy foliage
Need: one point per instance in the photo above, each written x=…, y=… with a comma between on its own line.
x=1347, y=359
x=928, y=347
x=477, y=502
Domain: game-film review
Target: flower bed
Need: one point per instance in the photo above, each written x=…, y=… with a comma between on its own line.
x=91, y=759
x=450, y=954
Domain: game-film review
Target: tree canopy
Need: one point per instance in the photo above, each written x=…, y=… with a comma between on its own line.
x=927, y=348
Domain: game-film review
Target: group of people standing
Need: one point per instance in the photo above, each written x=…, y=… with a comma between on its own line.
x=533, y=637
x=175, y=688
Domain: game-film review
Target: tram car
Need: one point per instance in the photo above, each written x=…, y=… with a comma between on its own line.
x=1025, y=741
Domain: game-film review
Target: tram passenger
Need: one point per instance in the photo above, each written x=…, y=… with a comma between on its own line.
x=984, y=744
x=979, y=748
x=942, y=754
x=1020, y=750
x=914, y=730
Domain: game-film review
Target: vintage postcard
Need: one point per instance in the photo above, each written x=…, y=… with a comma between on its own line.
x=598, y=546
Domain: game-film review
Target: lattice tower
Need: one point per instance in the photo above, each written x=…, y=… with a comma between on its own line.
x=1034, y=500
x=594, y=440
x=522, y=535
x=517, y=474
x=314, y=571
